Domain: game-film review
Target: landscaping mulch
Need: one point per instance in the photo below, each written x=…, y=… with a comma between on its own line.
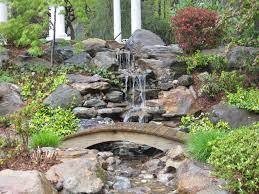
x=24, y=161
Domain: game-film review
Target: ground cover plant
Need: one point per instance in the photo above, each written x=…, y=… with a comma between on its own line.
x=245, y=98
x=235, y=158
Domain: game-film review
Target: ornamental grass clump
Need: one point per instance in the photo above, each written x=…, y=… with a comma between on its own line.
x=44, y=139
x=199, y=144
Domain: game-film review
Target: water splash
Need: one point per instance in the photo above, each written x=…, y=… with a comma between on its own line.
x=135, y=83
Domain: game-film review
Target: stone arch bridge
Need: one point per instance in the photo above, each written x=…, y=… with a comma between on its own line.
x=157, y=136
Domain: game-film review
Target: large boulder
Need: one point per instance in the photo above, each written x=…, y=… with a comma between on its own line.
x=86, y=84
x=83, y=59
x=65, y=97
x=165, y=69
x=234, y=116
x=4, y=56
x=176, y=102
x=141, y=38
x=196, y=178
x=105, y=60
x=239, y=56
x=94, y=45
x=32, y=182
x=79, y=175
x=61, y=53
x=10, y=99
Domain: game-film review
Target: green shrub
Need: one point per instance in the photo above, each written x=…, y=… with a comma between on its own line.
x=203, y=123
x=44, y=139
x=196, y=28
x=38, y=86
x=199, y=144
x=54, y=120
x=199, y=60
x=246, y=99
x=79, y=47
x=207, y=4
x=36, y=49
x=231, y=81
x=215, y=83
x=6, y=77
x=236, y=157
x=210, y=86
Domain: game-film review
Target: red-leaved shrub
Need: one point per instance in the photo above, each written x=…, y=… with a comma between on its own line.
x=195, y=28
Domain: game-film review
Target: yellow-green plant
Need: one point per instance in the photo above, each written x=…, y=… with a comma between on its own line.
x=235, y=158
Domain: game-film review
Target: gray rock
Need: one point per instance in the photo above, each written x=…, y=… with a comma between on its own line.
x=126, y=171
x=4, y=56
x=105, y=60
x=83, y=59
x=239, y=56
x=77, y=175
x=85, y=88
x=141, y=38
x=61, y=54
x=146, y=176
x=65, y=97
x=154, y=165
x=234, y=116
x=78, y=78
x=94, y=45
x=121, y=183
x=105, y=155
x=176, y=153
x=165, y=178
x=165, y=69
x=32, y=182
x=96, y=103
x=114, y=96
x=156, y=110
x=196, y=178
x=110, y=112
x=85, y=113
x=159, y=51
x=139, y=190
x=87, y=123
x=10, y=99
x=179, y=101
x=185, y=80
x=165, y=86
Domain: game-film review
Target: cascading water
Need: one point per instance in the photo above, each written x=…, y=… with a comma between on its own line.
x=135, y=84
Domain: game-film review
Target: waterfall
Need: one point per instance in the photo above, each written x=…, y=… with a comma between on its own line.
x=135, y=83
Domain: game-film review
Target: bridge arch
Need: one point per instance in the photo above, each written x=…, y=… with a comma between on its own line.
x=157, y=136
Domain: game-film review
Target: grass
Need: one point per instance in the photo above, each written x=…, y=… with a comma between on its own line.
x=44, y=139
x=199, y=144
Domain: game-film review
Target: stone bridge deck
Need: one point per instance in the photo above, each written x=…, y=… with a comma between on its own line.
x=158, y=136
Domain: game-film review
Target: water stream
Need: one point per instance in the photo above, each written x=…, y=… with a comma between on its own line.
x=135, y=86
